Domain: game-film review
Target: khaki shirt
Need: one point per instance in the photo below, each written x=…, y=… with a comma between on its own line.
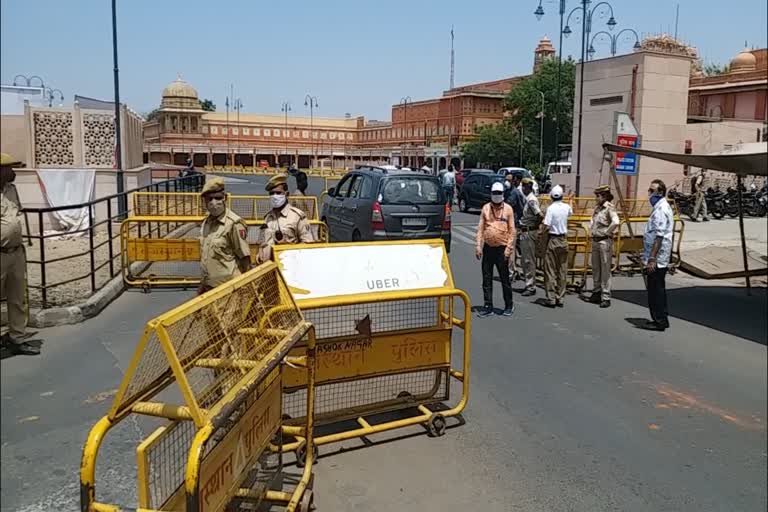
x=604, y=221
x=531, y=212
x=291, y=222
x=223, y=241
x=10, y=218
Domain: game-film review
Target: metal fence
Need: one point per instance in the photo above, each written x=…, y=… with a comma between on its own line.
x=62, y=267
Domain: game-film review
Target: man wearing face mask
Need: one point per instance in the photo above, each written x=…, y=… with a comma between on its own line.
x=657, y=247
x=13, y=261
x=495, y=245
x=283, y=224
x=604, y=223
x=224, y=239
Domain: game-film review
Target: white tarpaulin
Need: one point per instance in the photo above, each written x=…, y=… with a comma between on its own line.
x=63, y=187
x=357, y=269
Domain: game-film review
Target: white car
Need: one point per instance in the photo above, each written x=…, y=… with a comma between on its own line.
x=526, y=173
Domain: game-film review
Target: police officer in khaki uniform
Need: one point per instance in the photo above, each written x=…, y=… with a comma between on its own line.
x=225, y=252
x=283, y=224
x=13, y=262
x=603, y=225
x=529, y=236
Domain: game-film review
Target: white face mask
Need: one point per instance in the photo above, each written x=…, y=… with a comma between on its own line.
x=497, y=198
x=277, y=200
x=216, y=207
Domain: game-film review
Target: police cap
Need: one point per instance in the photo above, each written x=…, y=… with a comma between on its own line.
x=213, y=185
x=8, y=160
x=276, y=181
x=602, y=189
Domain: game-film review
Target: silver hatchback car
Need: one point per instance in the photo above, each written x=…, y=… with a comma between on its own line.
x=386, y=203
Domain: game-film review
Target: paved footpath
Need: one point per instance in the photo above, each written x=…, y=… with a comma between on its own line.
x=571, y=409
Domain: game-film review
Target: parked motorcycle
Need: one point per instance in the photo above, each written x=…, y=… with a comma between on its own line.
x=715, y=203
x=684, y=202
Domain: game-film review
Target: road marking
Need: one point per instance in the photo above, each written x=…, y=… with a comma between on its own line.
x=457, y=233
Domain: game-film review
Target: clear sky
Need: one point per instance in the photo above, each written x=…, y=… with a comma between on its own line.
x=355, y=56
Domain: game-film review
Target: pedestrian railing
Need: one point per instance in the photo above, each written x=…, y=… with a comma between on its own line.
x=63, y=267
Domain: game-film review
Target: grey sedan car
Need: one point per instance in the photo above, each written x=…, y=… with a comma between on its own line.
x=386, y=203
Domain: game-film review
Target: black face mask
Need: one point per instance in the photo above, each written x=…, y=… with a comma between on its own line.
x=7, y=176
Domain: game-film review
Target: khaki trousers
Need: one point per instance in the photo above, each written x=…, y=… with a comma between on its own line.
x=601, y=268
x=701, y=204
x=528, y=242
x=13, y=268
x=556, y=268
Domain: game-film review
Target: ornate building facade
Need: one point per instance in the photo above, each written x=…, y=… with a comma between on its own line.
x=427, y=131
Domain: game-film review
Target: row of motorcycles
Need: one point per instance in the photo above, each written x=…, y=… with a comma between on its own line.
x=720, y=204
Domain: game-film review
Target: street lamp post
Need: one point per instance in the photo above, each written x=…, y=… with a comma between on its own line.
x=122, y=201
x=237, y=106
x=311, y=102
x=285, y=108
x=539, y=12
x=541, y=132
x=586, y=28
x=404, y=102
x=50, y=93
x=614, y=40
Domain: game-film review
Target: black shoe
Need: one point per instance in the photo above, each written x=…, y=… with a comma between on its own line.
x=694, y=220
x=22, y=349
x=528, y=293
x=605, y=304
x=550, y=303
x=705, y=219
x=559, y=304
x=594, y=298
x=650, y=325
x=485, y=312
x=508, y=311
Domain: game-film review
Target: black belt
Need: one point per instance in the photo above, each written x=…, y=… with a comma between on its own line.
x=601, y=238
x=525, y=229
x=558, y=236
x=6, y=250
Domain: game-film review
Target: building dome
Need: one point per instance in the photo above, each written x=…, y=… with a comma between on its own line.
x=179, y=89
x=180, y=95
x=744, y=61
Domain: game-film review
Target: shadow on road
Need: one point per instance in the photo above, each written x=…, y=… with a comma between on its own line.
x=723, y=308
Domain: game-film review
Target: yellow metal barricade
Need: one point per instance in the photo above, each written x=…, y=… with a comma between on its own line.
x=248, y=207
x=165, y=250
x=384, y=335
x=579, y=255
x=220, y=358
x=331, y=183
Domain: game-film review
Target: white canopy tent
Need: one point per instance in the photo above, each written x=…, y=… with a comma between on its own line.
x=743, y=159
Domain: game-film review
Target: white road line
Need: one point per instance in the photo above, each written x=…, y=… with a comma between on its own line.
x=465, y=234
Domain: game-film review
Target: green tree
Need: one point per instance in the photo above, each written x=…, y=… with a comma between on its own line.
x=208, y=105
x=524, y=105
x=152, y=115
x=714, y=68
x=515, y=141
x=495, y=145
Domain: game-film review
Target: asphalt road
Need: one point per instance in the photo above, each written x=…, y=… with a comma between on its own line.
x=571, y=409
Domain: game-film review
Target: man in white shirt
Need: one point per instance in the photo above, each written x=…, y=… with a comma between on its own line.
x=657, y=248
x=448, y=180
x=555, y=228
